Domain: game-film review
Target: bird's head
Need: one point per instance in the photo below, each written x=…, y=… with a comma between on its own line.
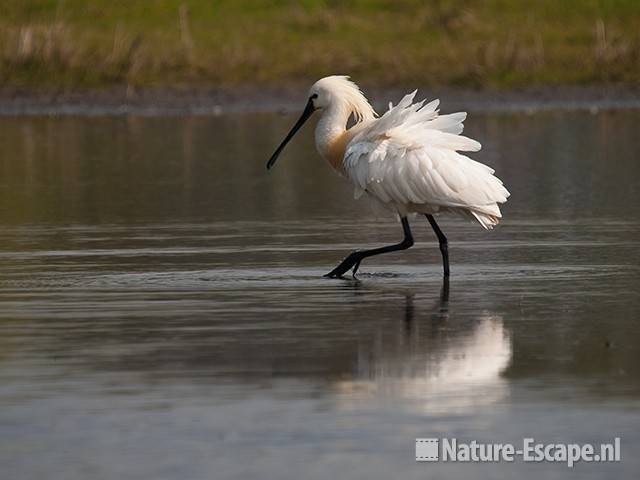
x=336, y=90
x=320, y=94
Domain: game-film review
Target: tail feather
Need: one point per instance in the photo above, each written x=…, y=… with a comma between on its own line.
x=487, y=220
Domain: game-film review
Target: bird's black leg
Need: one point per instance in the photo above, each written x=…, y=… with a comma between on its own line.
x=354, y=259
x=444, y=247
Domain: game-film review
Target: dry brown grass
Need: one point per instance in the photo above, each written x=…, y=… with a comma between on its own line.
x=428, y=42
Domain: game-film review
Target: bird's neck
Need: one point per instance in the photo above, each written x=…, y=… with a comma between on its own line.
x=331, y=134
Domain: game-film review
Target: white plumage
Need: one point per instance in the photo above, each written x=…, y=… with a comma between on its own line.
x=408, y=159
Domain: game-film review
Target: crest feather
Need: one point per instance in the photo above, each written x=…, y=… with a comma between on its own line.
x=347, y=92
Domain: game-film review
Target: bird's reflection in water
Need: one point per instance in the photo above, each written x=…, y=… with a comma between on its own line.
x=442, y=364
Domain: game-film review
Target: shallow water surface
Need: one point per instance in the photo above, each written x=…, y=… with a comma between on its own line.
x=163, y=312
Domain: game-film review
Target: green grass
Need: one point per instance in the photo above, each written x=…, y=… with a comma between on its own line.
x=224, y=43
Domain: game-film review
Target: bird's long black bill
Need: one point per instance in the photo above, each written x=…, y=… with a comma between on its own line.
x=308, y=110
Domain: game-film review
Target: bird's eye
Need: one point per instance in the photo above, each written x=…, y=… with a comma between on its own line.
x=314, y=96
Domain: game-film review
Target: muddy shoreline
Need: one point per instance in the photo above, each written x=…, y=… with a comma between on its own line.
x=127, y=101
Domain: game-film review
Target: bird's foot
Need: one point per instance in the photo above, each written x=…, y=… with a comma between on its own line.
x=355, y=268
x=352, y=261
x=333, y=274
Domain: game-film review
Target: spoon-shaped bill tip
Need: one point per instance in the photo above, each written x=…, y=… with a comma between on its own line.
x=308, y=110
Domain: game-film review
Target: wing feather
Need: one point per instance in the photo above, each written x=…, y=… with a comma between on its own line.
x=410, y=155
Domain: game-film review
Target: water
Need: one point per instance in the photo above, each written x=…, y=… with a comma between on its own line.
x=163, y=313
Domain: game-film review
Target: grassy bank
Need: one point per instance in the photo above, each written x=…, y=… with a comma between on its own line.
x=74, y=44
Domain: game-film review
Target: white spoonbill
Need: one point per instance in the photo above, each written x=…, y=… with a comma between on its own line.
x=407, y=159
